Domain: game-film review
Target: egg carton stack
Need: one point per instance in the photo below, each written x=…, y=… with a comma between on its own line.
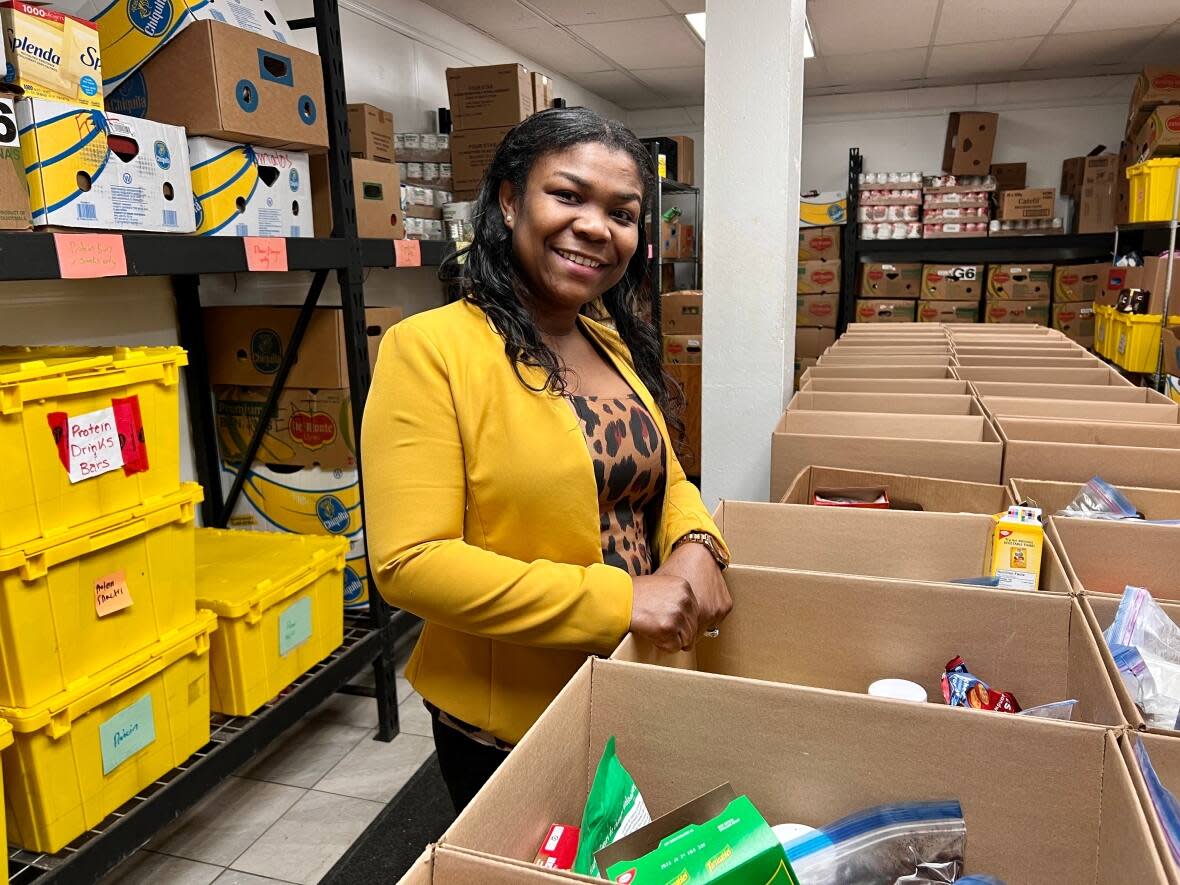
x=890, y=205
x=956, y=205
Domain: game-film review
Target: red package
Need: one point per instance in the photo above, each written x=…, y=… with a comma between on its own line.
x=560, y=848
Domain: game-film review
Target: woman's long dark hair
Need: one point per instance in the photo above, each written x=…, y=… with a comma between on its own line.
x=497, y=286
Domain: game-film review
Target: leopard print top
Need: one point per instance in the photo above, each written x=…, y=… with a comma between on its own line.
x=628, y=455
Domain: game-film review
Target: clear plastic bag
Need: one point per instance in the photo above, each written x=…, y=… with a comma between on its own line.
x=1061, y=710
x=1145, y=645
x=1098, y=499
x=911, y=842
x=1166, y=806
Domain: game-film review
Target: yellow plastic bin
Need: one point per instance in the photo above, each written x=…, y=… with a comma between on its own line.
x=278, y=600
x=60, y=615
x=1137, y=340
x=5, y=743
x=1103, y=330
x=76, y=397
x=81, y=755
x=1153, y=189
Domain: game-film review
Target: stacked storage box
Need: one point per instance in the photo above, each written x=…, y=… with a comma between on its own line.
x=681, y=318
x=1135, y=321
x=485, y=103
x=1018, y=293
x=890, y=205
x=818, y=304
x=956, y=205
x=1076, y=290
x=1150, y=160
x=950, y=293
x=888, y=293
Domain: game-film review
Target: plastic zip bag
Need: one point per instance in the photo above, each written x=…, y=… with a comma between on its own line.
x=912, y=842
x=1145, y=645
x=1098, y=499
x=1060, y=710
x=1162, y=799
x=614, y=809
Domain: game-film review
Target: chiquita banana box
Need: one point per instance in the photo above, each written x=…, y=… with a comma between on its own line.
x=86, y=168
x=822, y=208
x=246, y=191
x=131, y=31
x=51, y=54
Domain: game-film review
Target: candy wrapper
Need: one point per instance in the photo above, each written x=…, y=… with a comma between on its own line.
x=961, y=689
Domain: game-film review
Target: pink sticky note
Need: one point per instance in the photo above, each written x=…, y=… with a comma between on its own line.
x=266, y=253
x=407, y=253
x=86, y=256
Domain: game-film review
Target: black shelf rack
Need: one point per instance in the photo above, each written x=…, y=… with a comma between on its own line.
x=369, y=640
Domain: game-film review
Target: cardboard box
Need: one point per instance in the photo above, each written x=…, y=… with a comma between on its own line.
x=890, y=281
x=441, y=865
x=51, y=55
x=1033, y=349
x=1123, y=393
x=682, y=313
x=128, y=174
x=1079, y=282
x=1091, y=182
x=948, y=311
x=310, y=428
x=1010, y=176
x=964, y=447
x=810, y=343
x=823, y=208
x=819, y=242
x=922, y=493
x=970, y=138
x=1075, y=450
x=1159, y=136
x=1048, y=654
x=542, y=88
x=1102, y=557
x=882, y=372
x=1048, y=361
x=678, y=157
x=1161, y=411
x=952, y=282
x=1017, y=312
x=246, y=344
x=14, y=185
x=862, y=349
x=1034, y=202
x=682, y=350
x=1163, y=755
x=888, y=385
x=817, y=310
x=819, y=277
x=895, y=404
x=370, y=133
x=802, y=365
x=852, y=358
x=490, y=96
x=1153, y=276
x=259, y=91
x=1122, y=184
x=1087, y=374
x=886, y=311
x=245, y=191
x=1155, y=85
x=1053, y=497
x=377, y=190
x=471, y=155
x=1075, y=319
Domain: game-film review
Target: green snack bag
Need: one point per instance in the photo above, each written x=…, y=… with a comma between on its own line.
x=614, y=809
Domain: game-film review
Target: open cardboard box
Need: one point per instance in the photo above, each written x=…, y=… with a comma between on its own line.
x=1166, y=412
x=883, y=342
x=907, y=371
x=909, y=545
x=964, y=447
x=1044, y=350
x=847, y=632
x=1053, y=497
x=1103, y=557
x=1110, y=393
x=1098, y=375
x=1033, y=362
x=858, y=350
x=887, y=385
x=905, y=492
x=1068, y=450
x=894, y=403
x=443, y=865
x=1043, y=801
x=1164, y=754
x=873, y=358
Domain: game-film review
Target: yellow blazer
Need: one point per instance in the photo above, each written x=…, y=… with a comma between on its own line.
x=481, y=514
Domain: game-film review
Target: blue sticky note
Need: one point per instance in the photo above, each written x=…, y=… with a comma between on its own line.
x=294, y=626
x=126, y=733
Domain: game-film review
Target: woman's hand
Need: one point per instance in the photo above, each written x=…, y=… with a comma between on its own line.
x=664, y=610
x=695, y=564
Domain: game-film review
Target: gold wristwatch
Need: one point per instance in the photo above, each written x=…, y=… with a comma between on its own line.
x=709, y=543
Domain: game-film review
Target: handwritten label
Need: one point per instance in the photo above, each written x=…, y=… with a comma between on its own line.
x=294, y=626
x=87, y=256
x=111, y=594
x=266, y=253
x=407, y=253
x=92, y=443
x=126, y=733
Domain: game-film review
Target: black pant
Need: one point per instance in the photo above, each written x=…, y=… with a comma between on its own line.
x=466, y=764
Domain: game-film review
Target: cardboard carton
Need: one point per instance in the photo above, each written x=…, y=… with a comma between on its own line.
x=962, y=447
x=1036, y=202
x=1155, y=85
x=1103, y=557
x=888, y=371
x=1153, y=276
x=1053, y=497
x=1086, y=375
x=905, y=492
x=542, y=88
x=1036, y=312
x=802, y=366
x=677, y=155
x=1075, y=450
x=310, y=428
x=896, y=403
x=819, y=277
x=817, y=243
x=681, y=313
x=370, y=133
x=948, y=311
x=1075, y=319
x=51, y=55
x=1111, y=393
x=887, y=385
x=817, y=310
x=952, y=282
x=1079, y=282
x=855, y=330
x=682, y=350
x=255, y=90
x=1019, y=348
x=242, y=191
x=970, y=138
x=489, y=96
x=442, y=865
x=1160, y=135
x=377, y=190
x=94, y=170
x=870, y=350
x=1036, y=361
x=811, y=343
x=886, y=311
x=471, y=154
x=1091, y=182
x=14, y=186
x=1010, y=176
x=823, y=208
x=1161, y=411
x=891, y=281
x=1163, y=755
x=246, y=344
x=901, y=358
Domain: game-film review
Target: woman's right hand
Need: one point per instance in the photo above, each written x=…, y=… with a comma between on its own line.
x=664, y=610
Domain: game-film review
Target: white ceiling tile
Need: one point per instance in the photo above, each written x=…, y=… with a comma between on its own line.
x=621, y=89
x=948, y=97
x=1090, y=48
x=969, y=60
x=971, y=21
x=555, y=49
x=588, y=12
x=870, y=68
x=1094, y=15
x=645, y=43
x=493, y=17
x=680, y=84
x=847, y=27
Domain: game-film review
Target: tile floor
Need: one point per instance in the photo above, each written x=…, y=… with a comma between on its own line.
x=292, y=813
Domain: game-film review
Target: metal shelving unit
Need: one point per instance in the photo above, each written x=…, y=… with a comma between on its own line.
x=674, y=189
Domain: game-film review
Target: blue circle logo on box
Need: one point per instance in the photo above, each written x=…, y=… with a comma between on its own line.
x=293, y=178
x=131, y=98
x=354, y=589
x=247, y=95
x=333, y=514
x=88, y=85
x=163, y=158
x=307, y=110
x=151, y=17
x=266, y=351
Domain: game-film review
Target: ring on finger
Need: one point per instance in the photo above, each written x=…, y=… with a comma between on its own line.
x=713, y=633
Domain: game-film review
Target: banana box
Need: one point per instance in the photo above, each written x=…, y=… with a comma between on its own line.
x=51, y=54
x=86, y=168
x=132, y=31
x=14, y=186
x=310, y=428
x=822, y=208
x=246, y=191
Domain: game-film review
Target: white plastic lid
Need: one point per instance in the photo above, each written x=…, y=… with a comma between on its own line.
x=898, y=689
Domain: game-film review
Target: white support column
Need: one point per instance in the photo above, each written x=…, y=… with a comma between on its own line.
x=753, y=122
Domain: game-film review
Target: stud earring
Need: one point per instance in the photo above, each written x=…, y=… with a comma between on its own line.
x=508, y=219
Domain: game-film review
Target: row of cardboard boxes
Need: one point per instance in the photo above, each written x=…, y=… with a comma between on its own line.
x=793, y=716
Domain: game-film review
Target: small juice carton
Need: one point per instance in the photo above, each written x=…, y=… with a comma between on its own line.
x=1017, y=542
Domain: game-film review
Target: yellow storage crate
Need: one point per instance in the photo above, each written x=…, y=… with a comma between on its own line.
x=278, y=600
x=5, y=743
x=1137, y=340
x=1104, y=337
x=60, y=620
x=42, y=389
x=81, y=755
x=1153, y=189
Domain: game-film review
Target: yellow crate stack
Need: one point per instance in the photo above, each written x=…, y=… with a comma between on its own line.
x=5, y=743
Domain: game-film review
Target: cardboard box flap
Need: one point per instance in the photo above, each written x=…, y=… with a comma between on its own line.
x=1104, y=556
x=1032, y=375
x=965, y=428
x=1053, y=497
x=1147, y=413
x=906, y=492
x=1164, y=753
x=943, y=386
x=1091, y=433
x=1091, y=392
x=898, y=403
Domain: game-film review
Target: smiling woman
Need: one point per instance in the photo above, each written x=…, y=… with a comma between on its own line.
x=522, y=493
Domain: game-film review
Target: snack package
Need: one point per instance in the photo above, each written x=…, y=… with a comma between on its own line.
x=961, y=689
x=1166, y=806
x=559, y=849
x=614, y=809
x=1145, y=645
